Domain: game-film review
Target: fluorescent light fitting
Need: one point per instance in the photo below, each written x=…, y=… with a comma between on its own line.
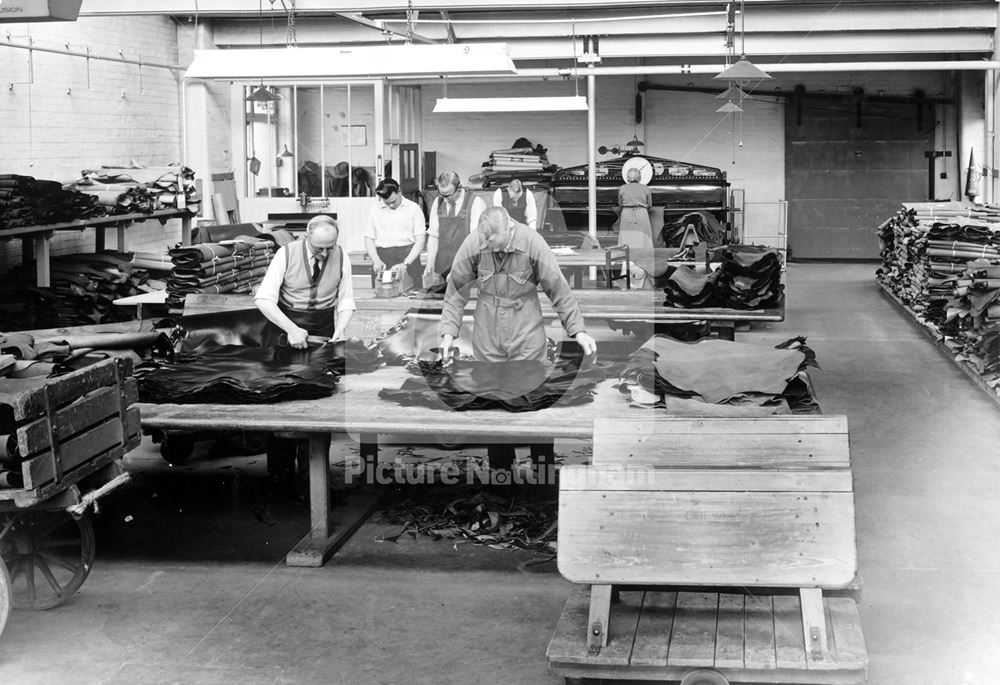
x=375, y=61
x=573, y=103
x=743, y=70
x=730, y=107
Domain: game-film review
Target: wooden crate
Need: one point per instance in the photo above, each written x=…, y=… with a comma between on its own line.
x=69, y=426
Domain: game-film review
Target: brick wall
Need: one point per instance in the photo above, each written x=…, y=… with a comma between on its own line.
x=123, y=115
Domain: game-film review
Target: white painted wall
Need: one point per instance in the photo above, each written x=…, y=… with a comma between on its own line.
x=50, y=134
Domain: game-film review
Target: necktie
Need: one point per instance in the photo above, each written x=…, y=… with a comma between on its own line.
x=317, y=269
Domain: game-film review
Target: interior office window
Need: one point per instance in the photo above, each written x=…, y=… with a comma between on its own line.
x=312, y=139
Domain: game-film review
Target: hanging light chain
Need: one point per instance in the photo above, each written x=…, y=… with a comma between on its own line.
x=291, y=40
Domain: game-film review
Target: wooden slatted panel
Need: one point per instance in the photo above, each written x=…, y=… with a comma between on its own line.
x=569, y=641
x=24, y=399
x=576, y=477
x=847, y=637
x=87, y=411
x=729, y=635
x=652, y=637
x=707, y=538
x=621, y=630
x=692, y=642
x=772, y=441
x=101, y=438
x=788, y=636
x=759, y=639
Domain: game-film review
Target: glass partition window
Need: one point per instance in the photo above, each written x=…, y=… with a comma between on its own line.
x=315, y=139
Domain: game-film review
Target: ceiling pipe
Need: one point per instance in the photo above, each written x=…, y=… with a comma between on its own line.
x=713, y=69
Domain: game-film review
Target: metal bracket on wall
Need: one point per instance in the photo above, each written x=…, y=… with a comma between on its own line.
x=931, y=155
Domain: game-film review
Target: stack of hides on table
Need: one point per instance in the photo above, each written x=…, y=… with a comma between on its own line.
x=26, y=201
x=693, y=227
x=522, y=161
x=749, y=278
x=236, y=374
x=234, y=266
x=86, y=285
x=515, y=386
x=692, y=376
x=127, y=190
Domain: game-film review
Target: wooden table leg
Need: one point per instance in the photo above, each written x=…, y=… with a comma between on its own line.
x=726, y=330
x=43, y=277
x=186, y=230
x=99, y=237
x=329, y=531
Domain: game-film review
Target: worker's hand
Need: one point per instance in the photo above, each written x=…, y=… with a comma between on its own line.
x=586, y=343
x=429, y=267
x=378, y=266
x=447, y=341
x=398, y=269
x=298, y=338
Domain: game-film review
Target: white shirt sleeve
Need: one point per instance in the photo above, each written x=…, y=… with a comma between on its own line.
x=345, y=299
x=419, y=226
x=498, y=198
x=478, y=207
x=270, y=285
x=530, y=210
x=370, y=226
x=432, y=228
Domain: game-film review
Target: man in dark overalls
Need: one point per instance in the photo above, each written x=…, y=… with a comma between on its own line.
x=509, y=261
x=453, y=216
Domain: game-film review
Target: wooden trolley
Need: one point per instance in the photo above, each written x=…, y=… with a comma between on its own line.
x=706, y=545
x=66, y=436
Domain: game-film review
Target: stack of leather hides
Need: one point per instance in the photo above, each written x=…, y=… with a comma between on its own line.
x=749, y=278
x=27, y=201
x=515, y=386
x=748, y=379
x=86, y=285
x=237, y=374
x=131, y=189
x=234, y=266
x=30, y=357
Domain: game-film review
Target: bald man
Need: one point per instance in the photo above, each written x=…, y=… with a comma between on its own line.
x=307, y=289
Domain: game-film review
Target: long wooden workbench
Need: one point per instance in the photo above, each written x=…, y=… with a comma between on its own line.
x=357, y=410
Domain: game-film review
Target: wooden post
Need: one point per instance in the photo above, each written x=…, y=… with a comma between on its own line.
x=43, y=278
x=319, y=485
x=814, y=625
x=597, y=621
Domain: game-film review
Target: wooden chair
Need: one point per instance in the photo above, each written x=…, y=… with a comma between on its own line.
x=727, y=531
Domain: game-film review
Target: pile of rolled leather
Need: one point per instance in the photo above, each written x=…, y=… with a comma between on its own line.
x=232, y=266
x=85, y=286
x=27, y=201
x=945, y=266
x=127, y=190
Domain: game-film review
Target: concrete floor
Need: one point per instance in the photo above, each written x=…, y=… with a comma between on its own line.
x=189, y=585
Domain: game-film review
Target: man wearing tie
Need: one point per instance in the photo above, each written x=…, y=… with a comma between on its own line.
x=307, y=289
x=453, y=216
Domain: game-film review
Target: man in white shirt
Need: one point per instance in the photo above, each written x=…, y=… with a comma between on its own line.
x=519, y=203
x=395, y=234
x=307, y=288
x=454, y=214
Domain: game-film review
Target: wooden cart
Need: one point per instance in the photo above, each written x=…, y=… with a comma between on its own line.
x=68, y=435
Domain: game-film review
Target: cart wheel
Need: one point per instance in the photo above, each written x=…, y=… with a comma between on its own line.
x=49, y=555
x=176, y=448
x=4, y=596
x=704, y=677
